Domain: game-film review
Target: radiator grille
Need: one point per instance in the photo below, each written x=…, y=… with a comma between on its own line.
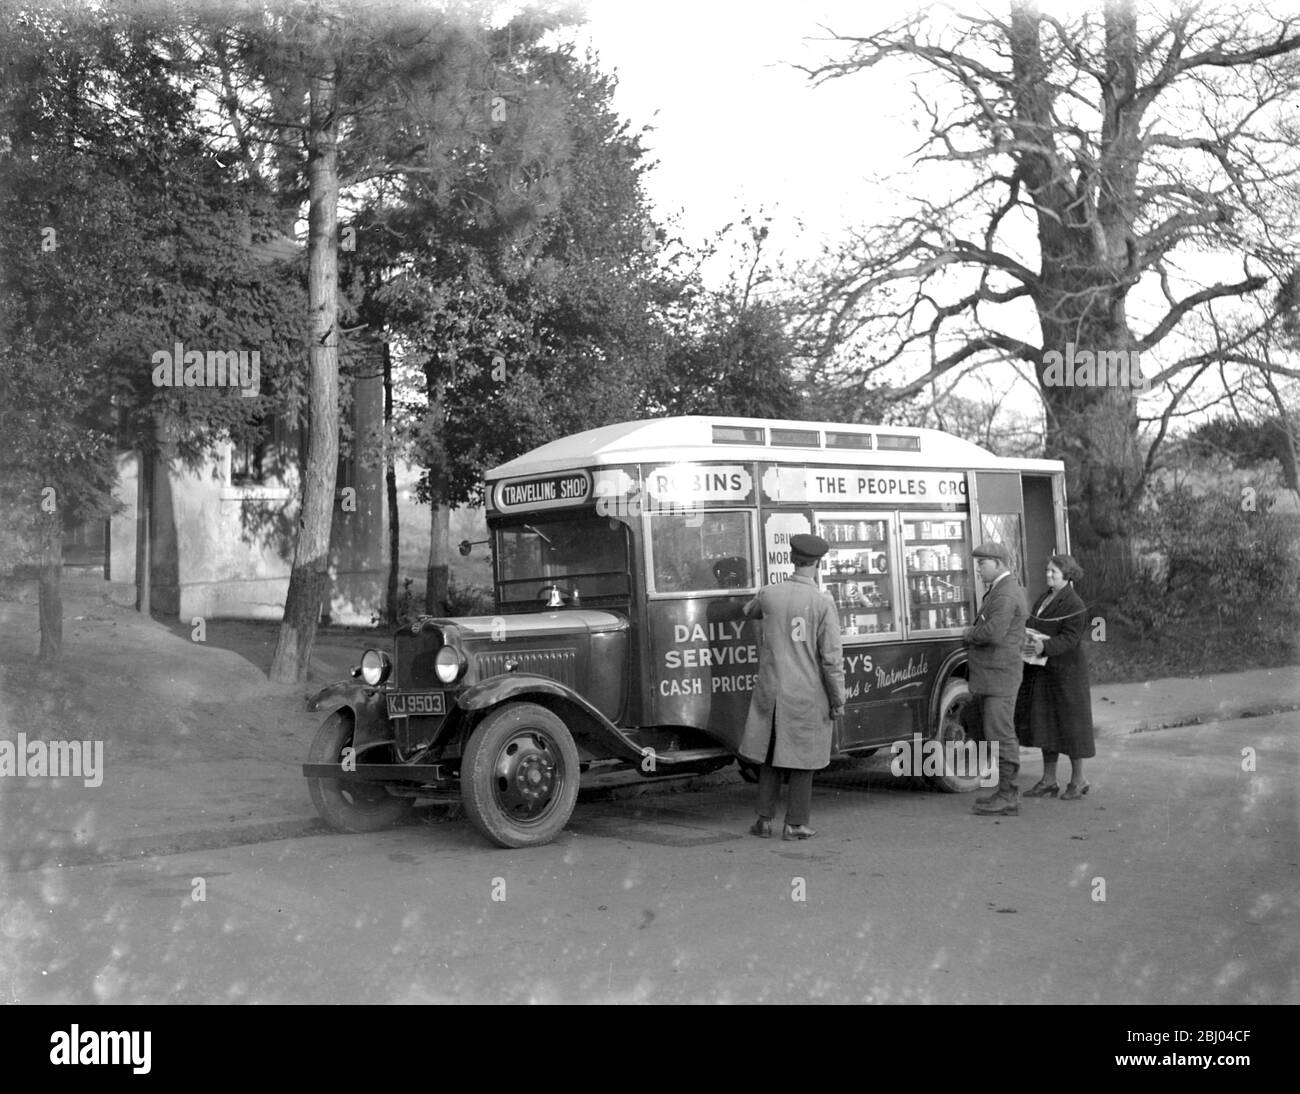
x=413, y=659
x=557, y=664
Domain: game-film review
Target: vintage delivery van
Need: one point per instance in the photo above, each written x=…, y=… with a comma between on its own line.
x=622, y=559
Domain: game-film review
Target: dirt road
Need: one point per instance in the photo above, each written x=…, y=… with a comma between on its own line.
x=1176, y=880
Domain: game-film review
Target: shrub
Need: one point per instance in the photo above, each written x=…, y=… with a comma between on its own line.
x=1221, y=551
x=468, y=599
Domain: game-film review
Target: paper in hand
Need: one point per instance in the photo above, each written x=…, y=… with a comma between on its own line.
x=1027, y=655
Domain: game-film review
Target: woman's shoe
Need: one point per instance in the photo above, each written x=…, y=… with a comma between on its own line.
x=1043, y=789
x=1073, y=792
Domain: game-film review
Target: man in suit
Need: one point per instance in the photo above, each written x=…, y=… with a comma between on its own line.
x=800, y=689
x=994, y=643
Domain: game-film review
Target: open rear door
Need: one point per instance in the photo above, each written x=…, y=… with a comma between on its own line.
x=997, y=505
x=1060, y=511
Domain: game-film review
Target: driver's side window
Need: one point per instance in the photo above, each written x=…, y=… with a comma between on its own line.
x=699, y=552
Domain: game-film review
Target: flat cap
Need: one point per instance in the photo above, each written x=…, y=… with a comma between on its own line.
x=809, y=546
x=989, y=549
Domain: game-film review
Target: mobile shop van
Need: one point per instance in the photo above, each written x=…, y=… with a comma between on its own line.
x=622, y=560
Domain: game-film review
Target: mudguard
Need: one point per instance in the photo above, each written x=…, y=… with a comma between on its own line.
x=499, y=689
x=954, y=661
x=368, y=708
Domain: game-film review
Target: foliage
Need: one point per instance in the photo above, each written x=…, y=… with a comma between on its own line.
x=340, y=101
x=1205, y=647
x=462, y=600
x=469, y=599
x=526, y=319
x=1224, y=552
x=504, y=244
x=1249, y=443
x=122, y=238
x=731, y=351
x=56, y=430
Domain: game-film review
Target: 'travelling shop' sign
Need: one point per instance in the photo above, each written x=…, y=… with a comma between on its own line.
x=543, y=492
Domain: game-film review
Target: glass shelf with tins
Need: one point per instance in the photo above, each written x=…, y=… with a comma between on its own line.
x=858, y=573
x=936, y=577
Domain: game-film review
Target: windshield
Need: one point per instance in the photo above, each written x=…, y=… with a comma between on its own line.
x=582, y=553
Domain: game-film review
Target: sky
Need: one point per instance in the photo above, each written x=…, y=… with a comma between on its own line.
x=737, y=128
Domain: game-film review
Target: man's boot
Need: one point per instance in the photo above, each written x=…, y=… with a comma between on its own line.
x=1005, y=802
x=1006, y=778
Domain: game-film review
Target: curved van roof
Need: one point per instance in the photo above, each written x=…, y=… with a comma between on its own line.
x=701, y=438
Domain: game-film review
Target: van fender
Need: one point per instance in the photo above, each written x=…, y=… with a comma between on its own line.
x=953, y=665
x=582, y=718
x=369, y=711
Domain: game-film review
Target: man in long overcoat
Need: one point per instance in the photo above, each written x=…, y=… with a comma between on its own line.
x=994, y=643
x=800, y=689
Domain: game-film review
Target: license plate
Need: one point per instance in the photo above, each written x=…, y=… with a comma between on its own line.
x=404, y=704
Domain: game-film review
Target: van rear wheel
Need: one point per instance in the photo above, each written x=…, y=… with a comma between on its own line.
x=956, y=695
x=519, y=775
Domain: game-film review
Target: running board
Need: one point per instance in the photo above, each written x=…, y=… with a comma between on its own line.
x=685, y=756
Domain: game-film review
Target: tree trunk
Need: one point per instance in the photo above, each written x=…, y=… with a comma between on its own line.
x=144, y=530
x=1085, y=227
x=51, y=598
x=438, y=574
x=1093, y=430
x=390, y=481
x=311, y=554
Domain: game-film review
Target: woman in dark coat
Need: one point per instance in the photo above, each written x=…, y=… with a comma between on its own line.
x=1054, y=707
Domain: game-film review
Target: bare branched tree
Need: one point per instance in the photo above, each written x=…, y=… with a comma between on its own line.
x=1106, y=178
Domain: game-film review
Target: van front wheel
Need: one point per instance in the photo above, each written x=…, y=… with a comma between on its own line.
x=519, y=775
x=348, y=805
